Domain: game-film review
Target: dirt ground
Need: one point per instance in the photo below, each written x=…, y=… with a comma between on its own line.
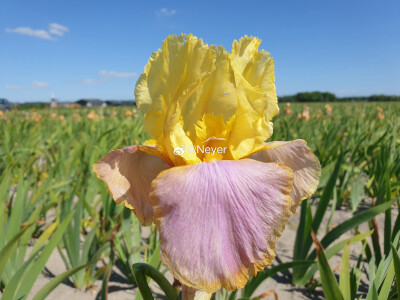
x=119, y=289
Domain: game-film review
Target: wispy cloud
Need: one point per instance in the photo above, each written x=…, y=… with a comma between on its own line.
x=54, y=29
x=165, y=12
x=39, y=33
x=104, y=76
x=13, y=87
x=110, y=74
x=89, y=81
x=39, y=84
x=58, y=29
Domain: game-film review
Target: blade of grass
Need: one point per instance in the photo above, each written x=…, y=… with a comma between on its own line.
x=396, y=261
x=344, y=280
x=329, y=283
x=49, y=287
x=30, y=276
x=350, y=224
x=255, y=282
x=9, y=248
x=333, y=251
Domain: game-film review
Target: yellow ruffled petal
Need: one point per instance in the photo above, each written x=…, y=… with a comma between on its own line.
x=171, y=77
x=187, y=80
x=257, y=101
x=213, y=132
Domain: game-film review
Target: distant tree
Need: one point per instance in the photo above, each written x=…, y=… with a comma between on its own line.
x=315, y=97
x=28, y=105
x=329, y=97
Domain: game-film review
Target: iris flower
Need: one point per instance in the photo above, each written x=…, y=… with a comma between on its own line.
x=219, y=212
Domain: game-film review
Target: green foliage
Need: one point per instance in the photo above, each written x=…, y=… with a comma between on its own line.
x=52, y=202
x=381, y=279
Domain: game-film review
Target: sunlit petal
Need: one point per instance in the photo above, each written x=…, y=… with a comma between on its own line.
x=297, y=156
x=219, y=222
x=171, y=77
x=257, y=101
x=187, y=80
x=128, y=174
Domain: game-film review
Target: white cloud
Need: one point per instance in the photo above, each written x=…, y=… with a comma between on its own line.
x=39, y=84
x=57, y=29
x=13, y=87
x=39, y=33
x=88, y=81
x=165, y=12
x=111, y=74
x=54, y=29
x=104, y=76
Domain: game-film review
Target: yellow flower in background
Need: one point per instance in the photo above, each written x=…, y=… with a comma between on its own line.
x=305, y=115
x=328, y=109
x=76, y=117
x=287, y=109
x=93, y=116
x=379, y=113
x=36, y=117
x=128, y=113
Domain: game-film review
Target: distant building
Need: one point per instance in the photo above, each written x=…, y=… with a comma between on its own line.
x=92, y=102
x=120, y=102
x=53, y=103
x=4, y=104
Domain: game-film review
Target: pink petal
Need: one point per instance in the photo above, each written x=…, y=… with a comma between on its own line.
x=128, y=174
x=297, y=156
x=219, y=222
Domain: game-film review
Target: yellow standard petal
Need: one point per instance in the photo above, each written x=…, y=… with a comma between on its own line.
x=196, y=95
x=257, y=101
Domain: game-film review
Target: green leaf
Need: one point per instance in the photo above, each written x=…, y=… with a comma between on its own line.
x=322, y=206
x=32, y=273
x=357, y=191
x=140, y=272
x=46, y=290
x=396, y=260
x=17, y=208
x=329, y=284
x=333, y=251
x=255, y=282
x=12, y=286
x=326, y=197
x=155, y=262
x=350, y=224
x=344, y=280
x=9, y=248
x=387, y=283
x=44, y=237
x=106, y=277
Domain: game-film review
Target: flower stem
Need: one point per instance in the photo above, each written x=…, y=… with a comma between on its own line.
x=140, y=271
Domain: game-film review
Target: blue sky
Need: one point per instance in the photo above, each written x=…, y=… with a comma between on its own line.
x=97, y=49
